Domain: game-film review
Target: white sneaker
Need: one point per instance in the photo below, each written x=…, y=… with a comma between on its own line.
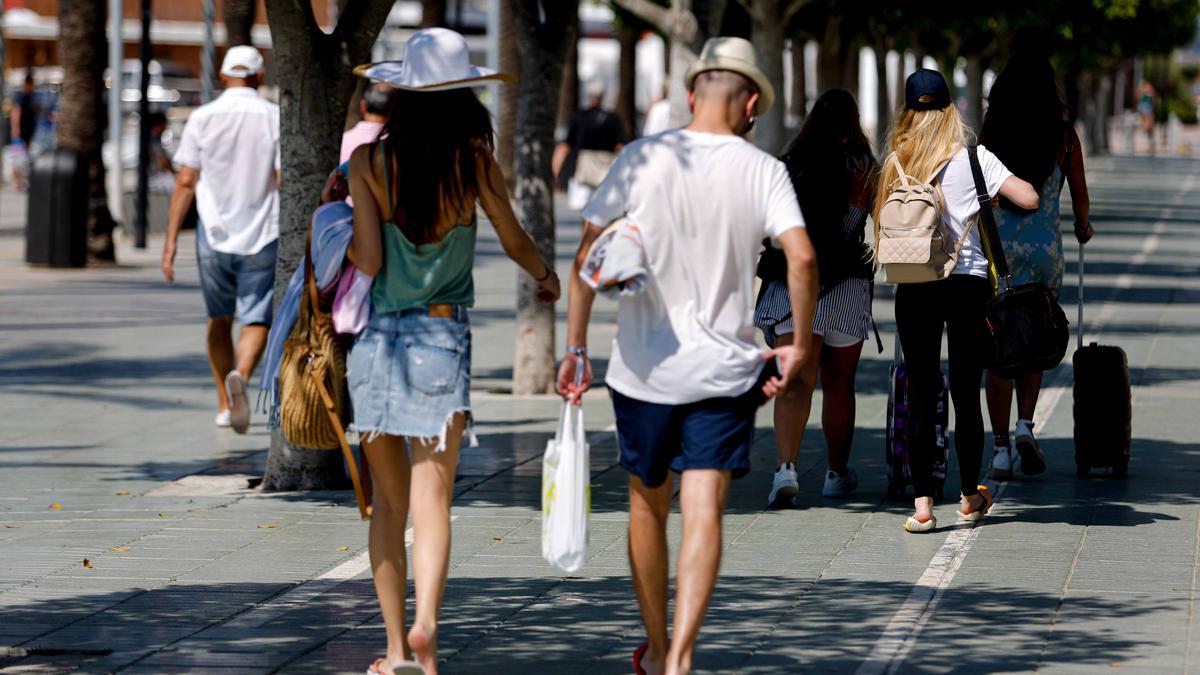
x=222, y=419
x=239, y=407
x=1002, y=463
x=1033, y=461
x=840, y=486
x=785, y=487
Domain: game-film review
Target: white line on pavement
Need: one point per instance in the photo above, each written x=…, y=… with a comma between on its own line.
x=902, y=632
x=308, y=590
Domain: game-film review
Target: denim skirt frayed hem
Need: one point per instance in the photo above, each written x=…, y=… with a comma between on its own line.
x=409, y=375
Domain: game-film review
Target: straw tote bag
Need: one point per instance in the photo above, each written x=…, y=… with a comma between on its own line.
x=312, y=382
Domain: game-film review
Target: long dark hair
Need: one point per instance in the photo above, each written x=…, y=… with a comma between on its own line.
x=829, y=158
x=1024, y=124
x=432, y=141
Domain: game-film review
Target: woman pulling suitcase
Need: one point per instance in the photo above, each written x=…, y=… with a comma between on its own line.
x=929, y=143
x=1026, y=125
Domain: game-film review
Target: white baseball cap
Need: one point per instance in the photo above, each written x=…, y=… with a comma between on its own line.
x=241, y=61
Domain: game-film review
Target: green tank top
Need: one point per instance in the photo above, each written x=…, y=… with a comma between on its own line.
x=417, y=275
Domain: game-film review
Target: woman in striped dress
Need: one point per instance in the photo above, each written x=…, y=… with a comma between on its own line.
x=832, y=170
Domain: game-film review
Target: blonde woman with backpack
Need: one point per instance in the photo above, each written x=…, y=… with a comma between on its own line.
x=929, y=144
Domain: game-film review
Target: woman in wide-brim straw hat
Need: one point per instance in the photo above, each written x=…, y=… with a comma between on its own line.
x=415, y=193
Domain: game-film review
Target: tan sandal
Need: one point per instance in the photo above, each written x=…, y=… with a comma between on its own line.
x=978, y=514
x=915, y=526
x=379, y=667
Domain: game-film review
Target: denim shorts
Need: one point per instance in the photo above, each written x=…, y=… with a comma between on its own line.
x=410, y=373
x=241, y=286
x=716, y=433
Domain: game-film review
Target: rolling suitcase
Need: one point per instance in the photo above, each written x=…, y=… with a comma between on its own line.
x=1103, y=404
x=896, y=451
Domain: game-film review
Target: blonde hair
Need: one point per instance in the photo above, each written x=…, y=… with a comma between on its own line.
x=923, y=140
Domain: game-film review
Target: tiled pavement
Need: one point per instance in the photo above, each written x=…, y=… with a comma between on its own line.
x=105, y=404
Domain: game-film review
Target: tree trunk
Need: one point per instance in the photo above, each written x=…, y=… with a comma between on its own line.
x=238, y=16
x=544, y=33
x=768, y=36
x=799, y=104
x=82, y=116
x=568, y=98
x=850, y=64
x=1102, y=109
x=627, y=80
x=830, y=72
x=901, y=75
x=974, y=92
x=433, y=13
x=313, y=72
x=682, y=57
x=510, y=62
x=883, y=107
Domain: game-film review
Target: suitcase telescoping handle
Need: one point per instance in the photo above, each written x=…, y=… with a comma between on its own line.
x=1079, y=304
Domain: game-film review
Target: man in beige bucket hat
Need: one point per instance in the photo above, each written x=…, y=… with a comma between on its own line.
x=686, y=377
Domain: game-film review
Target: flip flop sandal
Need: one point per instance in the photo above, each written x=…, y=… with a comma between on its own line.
x=978, y=514
x=398, y=668
x=637, y=658
x=917, y=527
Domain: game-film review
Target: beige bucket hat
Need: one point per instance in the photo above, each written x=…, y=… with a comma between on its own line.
x=737, y=55
x=435, y=59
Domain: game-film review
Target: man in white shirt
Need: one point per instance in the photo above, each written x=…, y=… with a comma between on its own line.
x=229, y=162
x=686, y=376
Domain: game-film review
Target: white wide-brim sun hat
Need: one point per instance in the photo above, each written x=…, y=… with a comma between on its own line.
x=435, y=59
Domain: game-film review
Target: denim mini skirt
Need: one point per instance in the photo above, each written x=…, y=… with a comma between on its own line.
x=410, y=373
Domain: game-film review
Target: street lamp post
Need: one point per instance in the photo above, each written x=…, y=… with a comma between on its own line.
x=144, y=128
x=116, y=182
x=207, y=54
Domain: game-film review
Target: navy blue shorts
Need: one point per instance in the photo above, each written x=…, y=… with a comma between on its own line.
x=715, y=433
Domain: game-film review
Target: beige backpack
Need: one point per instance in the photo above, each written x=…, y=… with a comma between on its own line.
x=915, y=243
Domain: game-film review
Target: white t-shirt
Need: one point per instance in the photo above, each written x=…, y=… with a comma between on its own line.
x=958, y=188
x=703, y=203
x=234, y=143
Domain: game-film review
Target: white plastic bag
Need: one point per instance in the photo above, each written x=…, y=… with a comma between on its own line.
x=566, y=493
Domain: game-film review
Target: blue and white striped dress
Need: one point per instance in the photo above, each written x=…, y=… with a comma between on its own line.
x=844, y=307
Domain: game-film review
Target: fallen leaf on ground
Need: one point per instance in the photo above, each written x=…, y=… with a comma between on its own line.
x=12, y=527
x=121, y=548
x=56, y=506
x=122, y=494
x=164, y=515
x=266, y=527
x=497, y=538
x=87, y=563
x=343, y=548
x=192, y=510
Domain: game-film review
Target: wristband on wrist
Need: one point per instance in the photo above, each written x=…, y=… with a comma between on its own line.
x=577, y=351
x=546, y=275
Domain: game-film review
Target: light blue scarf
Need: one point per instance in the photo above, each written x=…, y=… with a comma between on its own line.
x=333, y=227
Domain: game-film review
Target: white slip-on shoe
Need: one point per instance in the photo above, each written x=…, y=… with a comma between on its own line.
x=1033, y=461
x=840, y=486
x=1002, y=463
x=239, y=407
x=785, y=488
x=222, y=419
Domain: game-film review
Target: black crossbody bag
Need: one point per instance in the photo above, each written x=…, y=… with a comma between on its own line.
x=1028, y=329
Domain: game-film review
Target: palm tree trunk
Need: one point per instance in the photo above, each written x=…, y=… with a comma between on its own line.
x=768, y=35
x=544, y=33
x=82, y=115
x=627, y=80
x=974, y=92
x=433, y=13
x=510, y=62
x=799, y=105
x=568, y=98
x=313, y=72
x=238, y=16
x=883, y=107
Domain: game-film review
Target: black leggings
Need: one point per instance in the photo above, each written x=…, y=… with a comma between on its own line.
x=921, y=311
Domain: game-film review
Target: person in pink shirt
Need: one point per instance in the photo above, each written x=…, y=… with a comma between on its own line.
x=376, y=101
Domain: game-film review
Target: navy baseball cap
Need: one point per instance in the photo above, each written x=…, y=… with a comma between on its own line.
x=929, y=85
